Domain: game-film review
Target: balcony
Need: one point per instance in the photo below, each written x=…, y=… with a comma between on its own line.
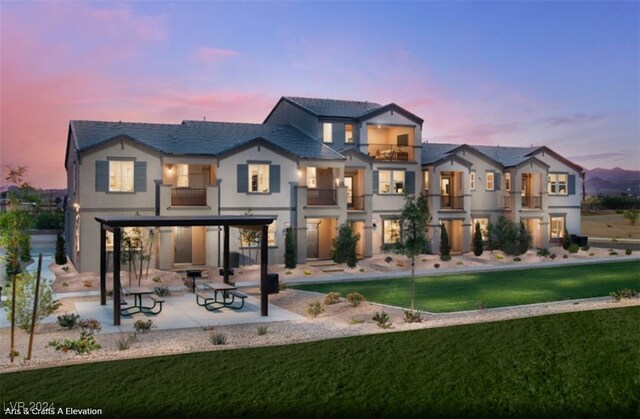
x=532, y=202
x=188, y=197
x=356, y=204
x=321, y=196
x=452, y=202
x=389, y=152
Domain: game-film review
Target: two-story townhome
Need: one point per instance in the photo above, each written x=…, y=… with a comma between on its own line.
x=468, y=184
x=313, y=165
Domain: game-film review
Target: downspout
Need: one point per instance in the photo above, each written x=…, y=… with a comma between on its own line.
x=219, y=181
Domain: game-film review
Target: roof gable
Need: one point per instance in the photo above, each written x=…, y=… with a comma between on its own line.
x=332, y=107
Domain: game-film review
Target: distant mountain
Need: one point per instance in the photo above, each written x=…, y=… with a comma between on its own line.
x=614, y=181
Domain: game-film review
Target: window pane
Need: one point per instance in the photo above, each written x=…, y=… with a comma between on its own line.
x=312, y=180
x=426, y=180
x=348, y=133
x=121, y=176
x=562, y=184
x=327, y=132
x=127, y=176
x=484, y=225
x=182, y=177
x=472, y=180
x=391, y=231
x=259, y=178
x=557, y=227
x=384, y=181
x=489, y=181
x=398, y=181
x=551, y=182
x=507, y=181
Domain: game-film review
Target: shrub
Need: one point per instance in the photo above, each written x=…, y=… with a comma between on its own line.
x=445, y=246
x=282, y=285
x=89, y=326
x=25, y=295
x=628, y=252
x=517, y=259
x=287, y=273
x=382, y=319
x=553, y=256
x=83, y=345
x=613, y=253
x=61, y=256
x=124, y=343
x=66, y=269
x=399, y=264
x=314, y=309
x=592, y=254
x=585, y=248
x=574, y=248
x=565, y=256
x=262, y=329
x=566, y=239
x=143, y=326
x=218, y=339
x=543, y=252
x=162, y=291
x=49, y=220
x=412, y=316
x=157, y=279
x=344, y=246
x=632, y=216
x=524, y=239
x=332, y=298
x=436, y=265
x=355, y=298
x=361, y=269
x=623, y=293
x=478, y=243
x=459, y=263
x=499, y=257
x=290, y=258
x=25, y=247
x=353, y=320
x=388, y=259
x=307, y=272
x=68, y=320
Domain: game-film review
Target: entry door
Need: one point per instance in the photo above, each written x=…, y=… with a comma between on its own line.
x=183, y=245
x=312, y=241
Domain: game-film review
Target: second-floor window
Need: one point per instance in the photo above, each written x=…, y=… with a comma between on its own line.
x=327, y=132
x=557, y=184
x=507, y=181
x=348, y=133
x=490, y=181
x=472, y=181
x=182, y=175
x=259, y=178
x=312, y=177
x=121, y=176
x=391, y=181
x=426, y=180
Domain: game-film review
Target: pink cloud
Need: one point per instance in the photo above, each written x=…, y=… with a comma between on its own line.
x=213, y=55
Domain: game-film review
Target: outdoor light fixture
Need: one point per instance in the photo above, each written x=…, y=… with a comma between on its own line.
x=287, y=224
x=375, y=223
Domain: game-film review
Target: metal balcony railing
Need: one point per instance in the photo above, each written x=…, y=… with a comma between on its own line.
x=531, y=201
x=357, y=203
x=390, y=152
x=188, y=197
x=451, y=202
x=321, y=196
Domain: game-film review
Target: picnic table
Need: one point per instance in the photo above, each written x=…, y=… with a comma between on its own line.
x=137, y=307
x=228, y=294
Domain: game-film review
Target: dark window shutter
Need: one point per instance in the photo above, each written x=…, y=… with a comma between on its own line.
x=410, y=182
x=376, y=182
x=102, y=176
x=140, y=176
x=496, y=181
x=572, y=184
x=243, y=178
x=274, y=178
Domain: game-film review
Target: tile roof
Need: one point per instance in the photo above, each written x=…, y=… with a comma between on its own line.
x=506, y=156
x=202, y=138
x=333, y=107
x=432, y=152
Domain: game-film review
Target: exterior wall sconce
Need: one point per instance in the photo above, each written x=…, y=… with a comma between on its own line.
x=287, y=224
x=375, y=223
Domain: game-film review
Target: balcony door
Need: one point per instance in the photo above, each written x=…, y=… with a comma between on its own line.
x=348, y=182
x=183, y=245
x=445, y=190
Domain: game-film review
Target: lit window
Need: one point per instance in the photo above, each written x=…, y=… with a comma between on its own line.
x=391, y=181
x=259, y=178
x=557, y=227
x=348, y=133
x=327, y=132
x=472, y=181
x=312, y=177
x=557, y=184
x=426, y=180
x=252, y=238
x=182, y=176
x=507, y=181
x=391, y=231
x=490, y=181
x=120, y=176
x=484, y=227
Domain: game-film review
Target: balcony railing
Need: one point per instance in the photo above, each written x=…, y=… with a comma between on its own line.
x=390, y=152
x=357, y=203
x=452, y=202
x=531, y=201
x=188, y=197
x=321, y=196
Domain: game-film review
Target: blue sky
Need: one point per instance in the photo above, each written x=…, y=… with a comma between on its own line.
x=561, y=74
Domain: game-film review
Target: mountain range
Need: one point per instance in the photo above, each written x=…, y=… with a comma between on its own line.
x=614, y=181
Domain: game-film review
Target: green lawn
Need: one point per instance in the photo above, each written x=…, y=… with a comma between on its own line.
x=578, y=364
x=495, y=289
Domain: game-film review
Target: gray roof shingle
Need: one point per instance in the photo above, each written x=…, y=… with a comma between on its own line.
x=202, y=138
x=506, y=156
x=334, y=107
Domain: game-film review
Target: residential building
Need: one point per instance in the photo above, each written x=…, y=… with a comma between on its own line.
x=313, y=165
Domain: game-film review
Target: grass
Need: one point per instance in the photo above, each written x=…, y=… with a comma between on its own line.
x=495, y=289
x=596, y=226
x=568, y=365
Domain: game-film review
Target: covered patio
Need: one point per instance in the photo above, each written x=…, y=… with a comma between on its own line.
x=116, y=224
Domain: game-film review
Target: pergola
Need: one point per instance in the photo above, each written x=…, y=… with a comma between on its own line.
x=116, y=224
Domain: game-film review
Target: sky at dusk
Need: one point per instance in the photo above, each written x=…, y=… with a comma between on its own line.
x=561, y=74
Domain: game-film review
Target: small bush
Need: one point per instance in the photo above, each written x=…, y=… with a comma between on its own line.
x=517, y=259
x=613, y=253
x=480, y=306
x=565, y=256
x=388, y=259
x=445, y=258
x=83, y=345
x=399, y=264
x=124, y=343
x=87, y=283
x=424, y=260
x=287, y=273
x=89, y=326
x=499, y=257
x=353, y=320
x=65, y=284
x=592, y=254
x=314, y=309
x=262, y=329
x=361, y=269
x=436, y=265
x=574, y=248
x=143, y=326
x=355, y=298
x=553, y=256
x=609, y=225
x=157, y=279
x=412, y=316
x=162, y=291
x=459, y=263
x=623, y=293
x=282, y=285
x=307, y=272
x=628, y=252
x=218, y=339
x=60, y=257
x=332, y=298
x=543, y=252
x=382, y=319
x=585, y=248
x=66, y=269
x=68, y=320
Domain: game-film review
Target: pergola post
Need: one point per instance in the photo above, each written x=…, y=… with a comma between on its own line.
x=103, y=266
x=225, y=255
x=117, y=236
x=264, y=263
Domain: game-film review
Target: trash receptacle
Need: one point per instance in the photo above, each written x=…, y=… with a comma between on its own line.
x=273, y=285
x=583, y=241
x=234, y=259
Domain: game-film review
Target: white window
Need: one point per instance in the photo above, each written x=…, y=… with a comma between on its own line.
x=391, y=231
x=259, y=178
x=507, y=181
x=182, y=175
x=327, y=132
x=312, y=177
x=348, y=133
x=120, y=176
x=252, y=238
x=484, y=227
x=557, y=227
x=391, y=181
x=490, y=181
x=426, y=180
x=557, y=184
x=472, y=181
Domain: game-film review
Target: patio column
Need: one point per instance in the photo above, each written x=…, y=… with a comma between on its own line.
x=103, y=266
x=117, y=236
x=264, y=263
x=225, y=255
